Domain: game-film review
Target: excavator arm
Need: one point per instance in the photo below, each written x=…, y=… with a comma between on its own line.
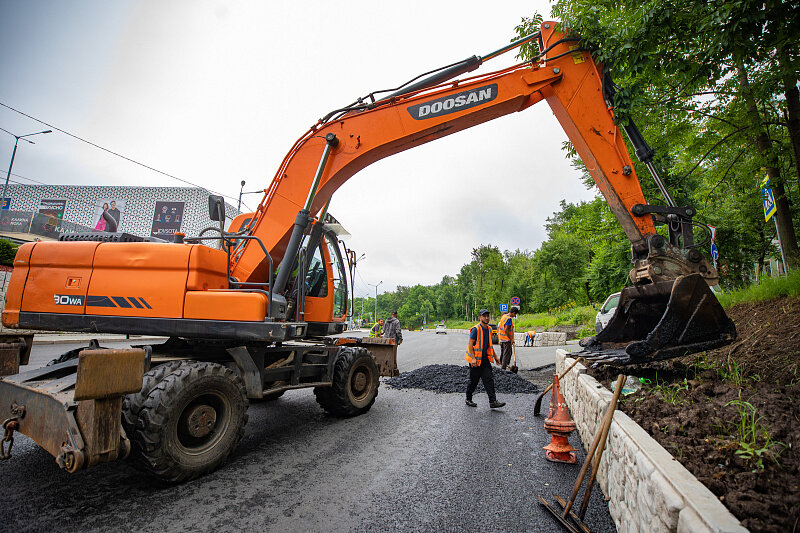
x=669, y=310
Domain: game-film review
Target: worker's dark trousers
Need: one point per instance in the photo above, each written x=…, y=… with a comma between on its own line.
x=483, y=372
x=505, y=354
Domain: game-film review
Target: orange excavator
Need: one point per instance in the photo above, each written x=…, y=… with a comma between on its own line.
x=256, y=312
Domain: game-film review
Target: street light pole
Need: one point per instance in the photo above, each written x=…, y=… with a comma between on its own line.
x=14, y=153
x=376, y=298
x=239, y=207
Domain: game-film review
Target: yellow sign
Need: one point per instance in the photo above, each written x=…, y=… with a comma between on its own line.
x=577, y=56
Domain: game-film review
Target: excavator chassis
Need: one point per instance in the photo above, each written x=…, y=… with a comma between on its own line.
x=73, y=407
x=661, y=320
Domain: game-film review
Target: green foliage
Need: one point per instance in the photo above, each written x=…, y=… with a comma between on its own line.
x=710, y=86
x=766, y=289
x=755, y=440
x=8, y=251
x=672, y=393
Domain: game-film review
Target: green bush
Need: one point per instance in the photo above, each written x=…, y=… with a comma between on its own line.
x=7, y=252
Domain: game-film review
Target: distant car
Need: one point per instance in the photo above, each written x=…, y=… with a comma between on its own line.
x=441, y=328
x=606, y=312
x=495, y=338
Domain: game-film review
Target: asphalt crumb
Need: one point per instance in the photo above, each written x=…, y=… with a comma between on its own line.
x=454, y=378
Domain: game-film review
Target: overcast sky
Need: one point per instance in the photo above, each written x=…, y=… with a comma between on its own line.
x=216, y=92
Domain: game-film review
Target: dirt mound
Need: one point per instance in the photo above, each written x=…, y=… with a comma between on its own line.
x=453, y=378
x=731, y=416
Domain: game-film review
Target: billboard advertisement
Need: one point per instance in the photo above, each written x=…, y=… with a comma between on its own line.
x=114, y=207
x=167, y=219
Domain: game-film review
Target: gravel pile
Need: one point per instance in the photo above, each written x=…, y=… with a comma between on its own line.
x=453, y=378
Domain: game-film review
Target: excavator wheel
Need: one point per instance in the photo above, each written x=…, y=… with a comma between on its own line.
x=191, y=421
x=354, y=386
x=132, y=403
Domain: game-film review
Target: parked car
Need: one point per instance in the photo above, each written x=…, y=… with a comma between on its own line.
x=606, y=312
x=441, y=328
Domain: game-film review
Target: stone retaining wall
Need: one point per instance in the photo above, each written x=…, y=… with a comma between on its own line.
x=648, y=490
x=546, y=338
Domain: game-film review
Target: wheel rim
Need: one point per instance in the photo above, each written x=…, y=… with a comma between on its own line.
x=361, y=383
x=202, y=423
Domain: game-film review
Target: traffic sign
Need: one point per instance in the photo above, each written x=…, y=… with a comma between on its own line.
x=6, y=203
x=503, y=308
x=714, y=252
x=769, y=200
x=713, y=232
x=769, y=203
x=515, y=300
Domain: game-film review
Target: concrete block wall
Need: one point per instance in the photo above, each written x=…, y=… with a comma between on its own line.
x=648, y=490
x=546, y=338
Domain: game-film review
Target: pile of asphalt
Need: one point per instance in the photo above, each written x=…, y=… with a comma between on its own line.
x=453, y=378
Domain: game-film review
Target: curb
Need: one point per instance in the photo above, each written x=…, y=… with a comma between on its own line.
x=648, y=490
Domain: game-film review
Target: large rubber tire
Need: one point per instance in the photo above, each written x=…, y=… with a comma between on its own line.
x=191, y=421
x=354, y=386
x=132, y=403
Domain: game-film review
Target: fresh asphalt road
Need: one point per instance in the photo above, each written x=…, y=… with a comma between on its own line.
x=417, y=461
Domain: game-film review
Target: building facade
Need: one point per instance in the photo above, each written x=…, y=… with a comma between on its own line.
x=47, y=211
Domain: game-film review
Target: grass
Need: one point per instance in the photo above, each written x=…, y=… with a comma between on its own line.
x=672, y=393
x=754, y=439
x=767, y=289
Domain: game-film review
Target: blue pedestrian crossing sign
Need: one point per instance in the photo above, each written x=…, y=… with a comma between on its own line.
x=504, y=308
x=769, y=200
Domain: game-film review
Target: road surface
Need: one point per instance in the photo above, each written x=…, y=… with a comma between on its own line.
x=417, y=461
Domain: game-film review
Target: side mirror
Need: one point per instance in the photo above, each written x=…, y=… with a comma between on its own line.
x=216, y=208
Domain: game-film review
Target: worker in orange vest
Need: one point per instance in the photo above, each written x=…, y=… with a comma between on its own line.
x=480, y=356
x=505, y=334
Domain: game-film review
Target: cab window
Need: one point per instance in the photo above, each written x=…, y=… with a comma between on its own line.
x=339, y=278
x=316, y=280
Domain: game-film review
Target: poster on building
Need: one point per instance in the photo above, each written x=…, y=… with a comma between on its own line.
x=114, y=207
x=167, y=219
x=15, y=221
x=53, y=208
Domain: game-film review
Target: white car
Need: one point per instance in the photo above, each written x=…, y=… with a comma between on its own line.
x=441, y=328
x=606, y=312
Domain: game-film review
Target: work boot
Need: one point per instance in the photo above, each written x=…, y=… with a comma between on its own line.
x=495, y=404
x=470, y=403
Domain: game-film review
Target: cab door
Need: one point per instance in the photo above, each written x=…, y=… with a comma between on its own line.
x=326, y=284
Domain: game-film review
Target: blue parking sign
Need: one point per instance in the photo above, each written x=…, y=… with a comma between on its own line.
x=503, y=308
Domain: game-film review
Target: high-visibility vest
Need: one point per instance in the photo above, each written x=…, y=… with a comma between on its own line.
x=372, y=332
x=478, y=348
x=502, y=336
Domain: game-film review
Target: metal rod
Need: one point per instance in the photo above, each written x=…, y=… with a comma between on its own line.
x=515, y=44
x=606, y=422
x=780, y=245
x=330, y=143
x=660, y=184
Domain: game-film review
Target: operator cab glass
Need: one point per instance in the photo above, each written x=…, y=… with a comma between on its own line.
x=316, y=280
x=339, y=279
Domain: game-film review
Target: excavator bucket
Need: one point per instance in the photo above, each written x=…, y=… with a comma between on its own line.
x=660, y=321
